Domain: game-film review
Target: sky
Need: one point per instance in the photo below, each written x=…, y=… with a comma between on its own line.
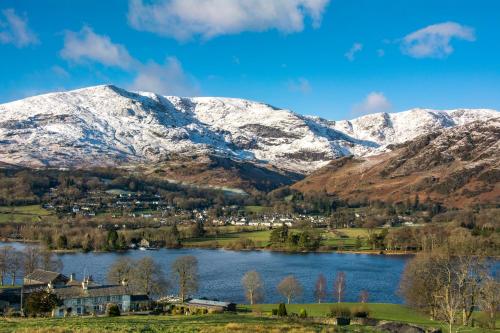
x=337, y=59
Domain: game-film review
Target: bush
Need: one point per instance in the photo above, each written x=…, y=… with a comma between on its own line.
x=274, y=312
x=360, y=312
x=303, y=313
x=13, y=313
x=282, y=310
x=112, y=310
x=337, y=311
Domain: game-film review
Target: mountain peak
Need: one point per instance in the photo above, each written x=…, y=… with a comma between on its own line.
x=106, y=124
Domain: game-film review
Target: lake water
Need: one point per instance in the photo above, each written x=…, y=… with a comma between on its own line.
x=221, y=271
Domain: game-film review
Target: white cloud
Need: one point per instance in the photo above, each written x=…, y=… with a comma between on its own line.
x=165, y=79
x=434, y=41
x=15, y=30
x=374, y=102
x=168, y=78
x=60, y=72
x=184, y=19
x=86, y=45
x=356, y=47
x=300, y=85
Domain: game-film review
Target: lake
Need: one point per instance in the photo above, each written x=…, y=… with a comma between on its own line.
x=221, y=271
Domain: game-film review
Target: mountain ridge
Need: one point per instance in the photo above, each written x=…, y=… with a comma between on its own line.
x=110, y=125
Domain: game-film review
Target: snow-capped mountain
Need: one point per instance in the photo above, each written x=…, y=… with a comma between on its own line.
x=108, y=125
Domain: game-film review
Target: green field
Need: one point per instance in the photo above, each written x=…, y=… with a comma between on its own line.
x=256, y=209
x=260, y=238
x=346, y=238
x=340, y=238
x=171, y=324
x=30, y=213
x=258, y=321
x=380, y=311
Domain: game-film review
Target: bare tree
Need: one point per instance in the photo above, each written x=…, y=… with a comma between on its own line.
x=364, y=295
x=417, y=286
x=121, y=271
x=339, y=286
x=5, y=254
x=290, y=288
x=489, y=300
x=185, y=271
x=447, y=280
x=15, y=265
x=32, y=258
x=448, y=297
x=254, y=287
x=49, y=261
x=320, y=289
x=149, y=277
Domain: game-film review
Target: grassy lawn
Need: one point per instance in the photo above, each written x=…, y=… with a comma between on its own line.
x=32, y=213
x=240, y=322
x=342, y=238
x=380, y=311
x=203, y=324
x=260, y=238
x=256, y=209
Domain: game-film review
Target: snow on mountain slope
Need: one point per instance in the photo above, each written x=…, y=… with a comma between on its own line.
x=108, y=125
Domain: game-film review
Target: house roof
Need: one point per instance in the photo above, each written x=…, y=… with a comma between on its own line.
x=206, y=302
x=43, y=276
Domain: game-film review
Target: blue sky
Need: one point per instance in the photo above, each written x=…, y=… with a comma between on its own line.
x=336, y=59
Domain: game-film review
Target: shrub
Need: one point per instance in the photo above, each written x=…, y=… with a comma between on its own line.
x=274, y=312
x=303, y=313
x=360, y=312
x=337, y=311
x=282, y=310
x=112, y=310
x=13, y=313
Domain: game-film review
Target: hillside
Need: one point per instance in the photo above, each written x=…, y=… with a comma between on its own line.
x=457, y=167
x=106, y=125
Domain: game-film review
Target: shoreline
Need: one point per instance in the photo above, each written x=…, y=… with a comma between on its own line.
x=370, y=252
x=190, y=246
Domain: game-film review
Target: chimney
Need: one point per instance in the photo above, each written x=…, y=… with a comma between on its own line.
x=72, y=277
x=85, y=284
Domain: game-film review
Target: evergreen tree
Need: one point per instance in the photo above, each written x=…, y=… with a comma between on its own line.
x=112, y=239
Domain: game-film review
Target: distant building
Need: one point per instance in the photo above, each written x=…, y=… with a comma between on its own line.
x=43, y=277
x=212, y=305
x=89, y=298
x=81, y=297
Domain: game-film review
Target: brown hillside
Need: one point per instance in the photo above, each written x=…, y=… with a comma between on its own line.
x=220, y=172
x=457, y=167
